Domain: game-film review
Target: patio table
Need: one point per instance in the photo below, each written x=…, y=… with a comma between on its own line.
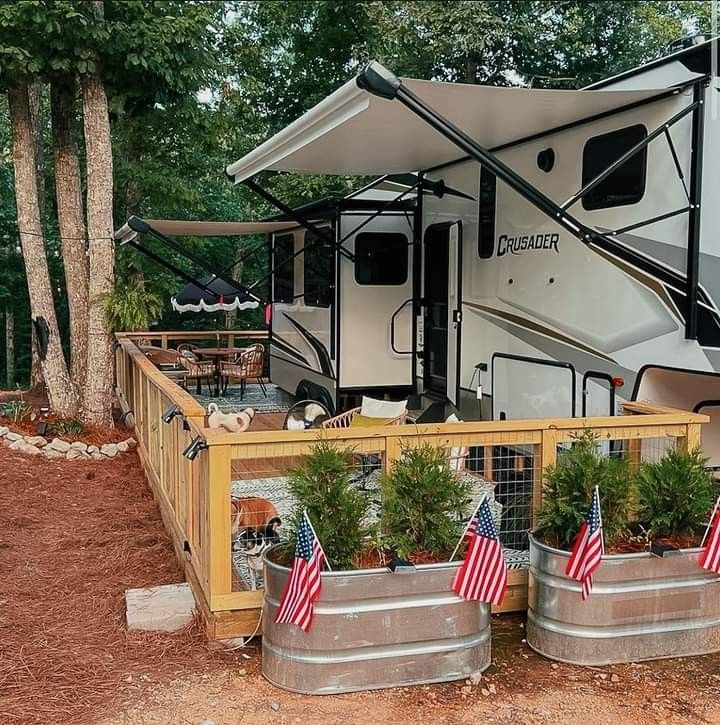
x=217, y=354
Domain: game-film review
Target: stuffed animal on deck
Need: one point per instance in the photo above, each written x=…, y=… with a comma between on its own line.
x=233, y=422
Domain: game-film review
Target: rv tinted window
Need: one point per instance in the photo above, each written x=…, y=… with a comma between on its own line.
x=381, y=258
x=283, y=250
x=486, y=214
x=319, y=258
x=626, y=185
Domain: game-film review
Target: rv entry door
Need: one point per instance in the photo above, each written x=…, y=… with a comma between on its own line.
x=454, y=311
x=442, y=297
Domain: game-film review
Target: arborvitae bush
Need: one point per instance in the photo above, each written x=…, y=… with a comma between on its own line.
x=422, y=501
x=336, y=509
x=568, y=490
x=676, y=494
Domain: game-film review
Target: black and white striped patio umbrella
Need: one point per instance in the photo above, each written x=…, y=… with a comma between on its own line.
x=215, y=295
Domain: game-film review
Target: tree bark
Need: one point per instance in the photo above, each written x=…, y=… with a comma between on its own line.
x=57, y=381
x=68, y=191
x=97, y=400
x=9, y=348
x=36, y=124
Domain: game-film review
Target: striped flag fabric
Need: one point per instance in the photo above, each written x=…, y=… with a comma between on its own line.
x=483, y=574
x=304, y=583
x=588, y=548
x=710, y=557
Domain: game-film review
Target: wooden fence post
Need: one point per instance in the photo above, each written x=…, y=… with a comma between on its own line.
x=548, y=457
x=220, y=543
x=393, y=451
x=691, y=440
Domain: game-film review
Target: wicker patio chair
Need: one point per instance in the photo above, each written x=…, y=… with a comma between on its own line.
x=369, y=413
x=195, y=369
x=247, y=364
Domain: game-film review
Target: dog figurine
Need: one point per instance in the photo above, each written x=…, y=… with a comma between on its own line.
x=234, y=422
x=252, y=542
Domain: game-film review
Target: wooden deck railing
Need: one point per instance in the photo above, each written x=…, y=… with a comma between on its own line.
x=221, y=337
x=194, y=496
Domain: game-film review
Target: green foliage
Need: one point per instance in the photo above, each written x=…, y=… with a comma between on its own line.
x=676, y=494
x=568, y=492
x=17, y=411
x=337, y=511
x=66, y=426
x=131, y=307
x=422, y=501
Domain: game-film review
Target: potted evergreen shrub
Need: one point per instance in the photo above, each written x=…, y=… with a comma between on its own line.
x=650, y=598
x=376, y=626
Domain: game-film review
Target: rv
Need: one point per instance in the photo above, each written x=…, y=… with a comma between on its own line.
x=523, y=253
x=577, y=265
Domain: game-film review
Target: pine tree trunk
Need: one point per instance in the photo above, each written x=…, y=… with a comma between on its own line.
x=36, y=124
x=97, y=401
x=57, y=381
x=9, y=348
x=68, y=191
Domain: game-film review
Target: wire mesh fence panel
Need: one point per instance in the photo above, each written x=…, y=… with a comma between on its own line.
x=508, y=475
x=263, y=485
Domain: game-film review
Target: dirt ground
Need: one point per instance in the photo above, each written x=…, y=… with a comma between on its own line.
x=75, y=534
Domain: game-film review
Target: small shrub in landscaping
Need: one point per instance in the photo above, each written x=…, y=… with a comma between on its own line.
x=17, y=411
x=336, y=509
x=422, y=502
x=676, y=494
x=67, y=427
x=568, y=491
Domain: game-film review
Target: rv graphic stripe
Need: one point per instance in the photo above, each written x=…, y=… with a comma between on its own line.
x=315, y=344
x=288, y=349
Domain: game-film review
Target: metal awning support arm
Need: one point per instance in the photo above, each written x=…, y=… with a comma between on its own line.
x=142, y=227
x=169, y=265
x=637, y=148
x=379, y=81
x=379, y=211
x=696, y=179
x=299, y=218
x=300, y=251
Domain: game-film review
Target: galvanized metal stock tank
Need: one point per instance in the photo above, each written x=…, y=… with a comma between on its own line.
x=642, y=607
x=375, y=629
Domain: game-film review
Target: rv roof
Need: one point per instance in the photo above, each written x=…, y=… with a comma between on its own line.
x=352, y=132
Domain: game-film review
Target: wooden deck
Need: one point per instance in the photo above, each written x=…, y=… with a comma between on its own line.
x=194, y=495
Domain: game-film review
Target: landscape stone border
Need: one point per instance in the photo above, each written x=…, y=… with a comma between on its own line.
x=37, y=445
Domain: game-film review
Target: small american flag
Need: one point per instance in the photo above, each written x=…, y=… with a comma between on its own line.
x=710, y=557
x=588, y=548
x=303, y=585
x=483, y=573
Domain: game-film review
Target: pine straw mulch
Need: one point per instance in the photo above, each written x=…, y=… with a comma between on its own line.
x=74, y=535
x=93, y=435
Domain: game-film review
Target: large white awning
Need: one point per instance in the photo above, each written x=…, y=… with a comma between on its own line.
x=353, y=132
x=181, y=228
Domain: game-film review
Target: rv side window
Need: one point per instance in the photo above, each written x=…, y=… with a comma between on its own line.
x=486, y=214
x=283, y=264
x=381, y=258
x=626, y=185
x=319, y=258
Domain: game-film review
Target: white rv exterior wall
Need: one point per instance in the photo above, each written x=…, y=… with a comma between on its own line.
x=593, y=313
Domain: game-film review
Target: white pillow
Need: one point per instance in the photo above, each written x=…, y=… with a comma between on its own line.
x=457, y=454
x=372, y=408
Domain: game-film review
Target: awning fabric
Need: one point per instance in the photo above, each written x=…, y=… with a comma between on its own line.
x=180, y=228
x=353, y=132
